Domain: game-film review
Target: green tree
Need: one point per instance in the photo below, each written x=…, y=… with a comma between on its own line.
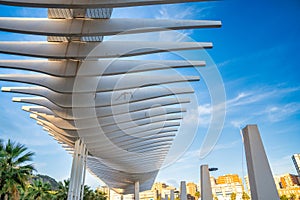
x=197, y=195
x=245, y=196
x=100, y=195
x=284, y=197
x=15, y=170
x=62, y=192
x=233, y=196
x=38, y=190
x=292, y=197
x=88, y=193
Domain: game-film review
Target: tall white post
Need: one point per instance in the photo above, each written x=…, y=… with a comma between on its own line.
x=172, y=196
x=73, y=171
x=206, y=191
x=262, y=185
x=183, y=195
x=166, y=197
x=137, y=190
x=78, y=172
x=84, y=172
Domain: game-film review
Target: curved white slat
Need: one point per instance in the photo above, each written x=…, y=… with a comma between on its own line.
x=156, y=128
x=97, y=27
x=145, y=134
x=82, y=124
x=108, y=49
x=129, y=141
x=95, y=84
x=101, y=147
x=49, y=125
x=102, y=98
x=96, y=68
x=90, y=4
x=92, y=134
x=120, y=118
x=123, y=120
x=67, y=113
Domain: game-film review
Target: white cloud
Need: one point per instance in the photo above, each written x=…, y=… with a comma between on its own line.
x=258, y=95
x=195, y=154
x=278, y=113
x=204, y=109
x=256, y=103
x=282, y=165
x=254, y=56
x=238, y=123
x=202, y=115
x=180, y=12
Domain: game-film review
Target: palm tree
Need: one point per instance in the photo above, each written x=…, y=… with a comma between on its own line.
x=245, y=196
x=197, y=195
x=233, y=196
x=88, y=193
x=284, y=197
x=292, y=197
x=62, y=192
x=100, y=195
x=14, y=169
x=38, y=190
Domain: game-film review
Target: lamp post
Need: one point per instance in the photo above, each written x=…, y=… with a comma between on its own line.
x=206, y=191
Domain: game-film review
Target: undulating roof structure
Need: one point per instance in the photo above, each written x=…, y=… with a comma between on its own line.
x=117, y=115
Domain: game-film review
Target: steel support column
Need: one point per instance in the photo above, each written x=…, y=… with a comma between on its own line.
x=76, y=185
x=137, y=190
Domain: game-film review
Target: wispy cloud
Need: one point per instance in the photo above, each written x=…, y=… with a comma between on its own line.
x=261, y=104
x=278, y=113
x=254, y=56
x=258, y=95
x=282, y=165
x=244, y=101
x=195, y=154
x=179, y=12
x=238, y=123
x=202, y=115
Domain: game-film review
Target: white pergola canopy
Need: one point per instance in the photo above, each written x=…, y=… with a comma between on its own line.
x=124, y=111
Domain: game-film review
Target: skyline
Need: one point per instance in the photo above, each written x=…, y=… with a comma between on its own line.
x=255, y=61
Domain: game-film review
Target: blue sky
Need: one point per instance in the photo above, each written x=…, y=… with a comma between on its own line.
x=256, y=52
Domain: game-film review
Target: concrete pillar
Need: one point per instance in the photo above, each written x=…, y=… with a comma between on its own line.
x=137, y=190
x=183, y=190
x=172, y=196
x=166, y=197
x=206, y=191
x=262, y=185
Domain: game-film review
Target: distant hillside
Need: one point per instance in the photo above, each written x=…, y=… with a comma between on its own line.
x=47, y=179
